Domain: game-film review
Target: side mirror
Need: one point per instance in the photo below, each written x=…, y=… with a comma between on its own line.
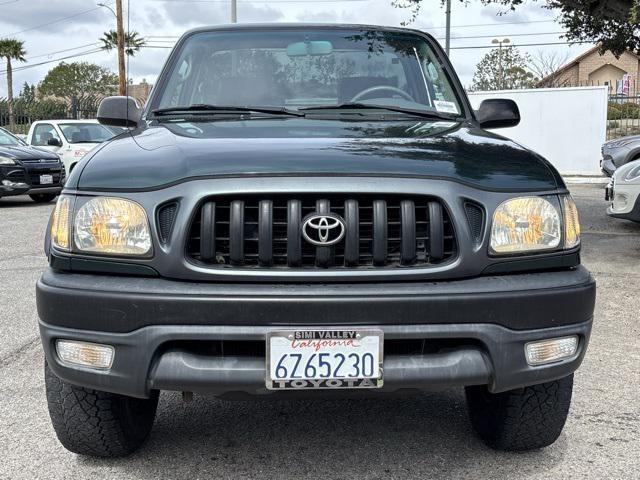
x=119, y=112
x=498, y=113
x=54, y=142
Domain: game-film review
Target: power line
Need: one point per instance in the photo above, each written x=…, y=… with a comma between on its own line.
x=522, y=45
x=33, y=65
x=170, y=38
x=504, y=35
x=494, y=24
x=96, y=50
x=62, y=51
x=54, y=21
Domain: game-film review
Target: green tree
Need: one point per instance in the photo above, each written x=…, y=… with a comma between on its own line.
x=11, y=49
x=33, y=108
x=133, y=42
x=78, y=81
x=28, y=92
x=614, y=24
x=503, y=69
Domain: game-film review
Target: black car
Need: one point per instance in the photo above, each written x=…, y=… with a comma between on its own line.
x=311, y=209
x=28, y=170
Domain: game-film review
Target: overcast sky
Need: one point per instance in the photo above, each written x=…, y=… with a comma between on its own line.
x=52, y=29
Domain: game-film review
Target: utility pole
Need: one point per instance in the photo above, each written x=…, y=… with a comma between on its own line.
x=499, y=42
x=234, y=11
x=122, y=76
x=447, y=41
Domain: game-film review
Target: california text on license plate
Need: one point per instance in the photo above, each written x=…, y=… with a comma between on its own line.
x=299, y=359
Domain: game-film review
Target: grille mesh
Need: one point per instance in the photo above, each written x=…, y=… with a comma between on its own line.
x=166, y=216
x=475, y=217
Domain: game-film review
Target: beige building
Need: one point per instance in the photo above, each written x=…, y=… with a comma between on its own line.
x=593, y=68
x=139, y=91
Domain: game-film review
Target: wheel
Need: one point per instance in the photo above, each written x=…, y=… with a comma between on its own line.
x=43, y=197
x=100, y=424
x=521, y=419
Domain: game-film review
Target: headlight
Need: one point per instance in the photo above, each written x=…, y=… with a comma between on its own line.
x=60, y=223
x=112, y=226
x=6, y=160
x=571, y=222
x=525, y=224
x=633, y=173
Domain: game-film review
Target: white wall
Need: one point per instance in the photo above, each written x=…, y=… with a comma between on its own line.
x=565, y=125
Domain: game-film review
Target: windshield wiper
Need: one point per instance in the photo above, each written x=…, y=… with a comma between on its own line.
x=204, y=107
x=372, y=106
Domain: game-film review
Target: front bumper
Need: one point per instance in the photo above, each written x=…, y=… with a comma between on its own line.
x=25, y=179
x=625, y=201
x=478, y=328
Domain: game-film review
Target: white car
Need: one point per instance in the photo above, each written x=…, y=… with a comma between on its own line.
x=624, y=192
x=70, y=139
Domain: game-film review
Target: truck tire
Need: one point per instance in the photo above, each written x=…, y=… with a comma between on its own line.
x=95, y=423
x=522, y=419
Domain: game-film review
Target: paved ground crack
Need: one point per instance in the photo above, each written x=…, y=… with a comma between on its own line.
x=15, y=354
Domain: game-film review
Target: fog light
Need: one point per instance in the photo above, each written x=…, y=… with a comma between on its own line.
x=551, y=350
x=619, y=201
x=85, y=354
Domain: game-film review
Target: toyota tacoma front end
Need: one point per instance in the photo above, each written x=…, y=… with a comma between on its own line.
x=311, y=208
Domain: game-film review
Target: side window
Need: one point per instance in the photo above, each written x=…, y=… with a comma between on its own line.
x=43, y=133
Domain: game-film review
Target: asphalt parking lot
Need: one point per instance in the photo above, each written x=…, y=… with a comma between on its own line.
x=428, y=436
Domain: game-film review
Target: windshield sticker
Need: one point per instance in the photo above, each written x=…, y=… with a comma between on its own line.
x=446, y=107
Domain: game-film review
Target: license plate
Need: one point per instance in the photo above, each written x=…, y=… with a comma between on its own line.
x=46, y=179
x=319, y=359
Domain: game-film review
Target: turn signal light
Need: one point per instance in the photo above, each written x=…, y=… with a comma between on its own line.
x=571, y=223
x=85, y=354
x=551, y=350
x=60, y=223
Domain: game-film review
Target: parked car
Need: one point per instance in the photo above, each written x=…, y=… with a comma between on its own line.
x=311, y=208
x=28, y=170
x=70, y=139
x=624, y=192
x=619, y=152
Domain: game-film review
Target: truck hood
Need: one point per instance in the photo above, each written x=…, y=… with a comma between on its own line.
x=25, y=152
x=164, y=154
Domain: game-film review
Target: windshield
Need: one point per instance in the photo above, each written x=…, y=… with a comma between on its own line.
x=7, y=139
x=307, y=68
x=86, y=132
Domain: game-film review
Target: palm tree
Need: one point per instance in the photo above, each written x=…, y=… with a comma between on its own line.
x=11, y=49
x=132, y=42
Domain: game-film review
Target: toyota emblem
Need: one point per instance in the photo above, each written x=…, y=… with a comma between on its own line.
x=323, y=230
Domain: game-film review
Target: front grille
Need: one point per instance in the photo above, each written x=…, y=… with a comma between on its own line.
x=16, y=176
x=380, y=232
x=39, y=160
x=35, y=177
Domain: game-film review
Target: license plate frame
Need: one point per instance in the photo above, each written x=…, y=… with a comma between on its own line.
x=331, y=383
x=46, y=179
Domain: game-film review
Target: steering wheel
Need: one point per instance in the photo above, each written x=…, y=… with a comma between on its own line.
x=367, y=91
